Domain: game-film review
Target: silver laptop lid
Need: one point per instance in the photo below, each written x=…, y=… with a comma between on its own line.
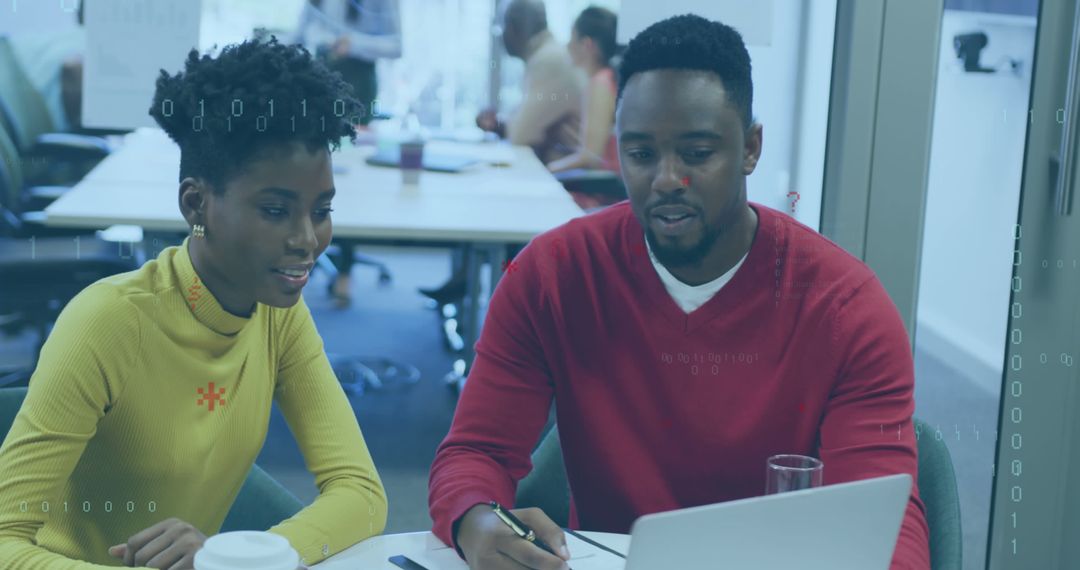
x=836, y=527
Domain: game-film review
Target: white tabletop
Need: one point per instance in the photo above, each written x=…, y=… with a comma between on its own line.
x=138, y=185
x=422, y=547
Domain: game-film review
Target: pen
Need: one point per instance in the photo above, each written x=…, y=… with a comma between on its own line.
x=520, y=528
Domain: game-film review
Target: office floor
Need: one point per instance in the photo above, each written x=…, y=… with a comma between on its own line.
x=404, y=424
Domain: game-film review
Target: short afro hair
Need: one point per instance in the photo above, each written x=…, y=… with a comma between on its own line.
x=694, y=43
x=254, y=97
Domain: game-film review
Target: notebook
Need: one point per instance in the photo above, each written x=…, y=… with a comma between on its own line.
x=583, y=556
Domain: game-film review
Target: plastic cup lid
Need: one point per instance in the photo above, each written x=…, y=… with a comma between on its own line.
x=244, y=550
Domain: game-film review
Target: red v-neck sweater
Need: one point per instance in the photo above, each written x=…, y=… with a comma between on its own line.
x=801, y=352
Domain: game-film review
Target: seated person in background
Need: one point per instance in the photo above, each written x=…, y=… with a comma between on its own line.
x=785, y=343
x=152, y=396
x=592, y=45
x=548, y=117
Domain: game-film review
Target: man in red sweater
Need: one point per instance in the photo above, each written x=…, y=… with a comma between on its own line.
x=685, y=336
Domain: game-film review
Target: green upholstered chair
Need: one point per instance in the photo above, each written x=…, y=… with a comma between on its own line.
x=546, y=487
x=937, y=488
x=261, y=503
x=10, y=402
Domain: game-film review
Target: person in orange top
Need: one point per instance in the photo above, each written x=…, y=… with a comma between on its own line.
x=592, y=47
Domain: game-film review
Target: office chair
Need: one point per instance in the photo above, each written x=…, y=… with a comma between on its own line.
x=43, y=267
x=261, y=503
x=52, y=157
x=546, y=487
x=21, y=202
x=937, y=489
x=42, y=274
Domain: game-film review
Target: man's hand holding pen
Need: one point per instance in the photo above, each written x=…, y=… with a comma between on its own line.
x=493, y=542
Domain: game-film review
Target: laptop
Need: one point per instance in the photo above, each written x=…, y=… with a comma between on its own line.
x=837, y=527
x=432, y=161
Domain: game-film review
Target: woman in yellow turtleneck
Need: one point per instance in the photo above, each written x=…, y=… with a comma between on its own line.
x=153, y=393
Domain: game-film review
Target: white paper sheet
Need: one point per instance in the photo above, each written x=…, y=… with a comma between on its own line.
x=583, y=556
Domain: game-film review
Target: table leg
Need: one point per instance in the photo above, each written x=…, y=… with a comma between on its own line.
x=471, y=316
x=475, y=302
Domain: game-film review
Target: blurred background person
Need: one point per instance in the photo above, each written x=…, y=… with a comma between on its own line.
x=549, y=117
x=549, y=114
x=349, y=36
x=592, y=47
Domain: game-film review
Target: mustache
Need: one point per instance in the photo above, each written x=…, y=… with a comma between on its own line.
x=651, y=207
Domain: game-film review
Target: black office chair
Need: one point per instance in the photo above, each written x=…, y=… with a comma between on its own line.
x=42, y=275
x=51, y=157
x=22, y=203
x=42, y=267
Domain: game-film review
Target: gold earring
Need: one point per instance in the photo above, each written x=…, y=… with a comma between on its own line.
x=198, y=231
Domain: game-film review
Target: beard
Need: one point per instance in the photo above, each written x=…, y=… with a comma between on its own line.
x=682, y=256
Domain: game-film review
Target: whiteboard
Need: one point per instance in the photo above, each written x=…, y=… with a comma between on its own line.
x=128, y=42
x=753, y=19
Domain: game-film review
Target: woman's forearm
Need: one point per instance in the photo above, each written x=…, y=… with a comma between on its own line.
x=579, y=159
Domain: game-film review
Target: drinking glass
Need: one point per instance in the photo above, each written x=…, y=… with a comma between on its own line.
x=792, y=472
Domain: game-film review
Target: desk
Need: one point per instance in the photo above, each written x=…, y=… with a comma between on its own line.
x=374, y=552
x=484, y=209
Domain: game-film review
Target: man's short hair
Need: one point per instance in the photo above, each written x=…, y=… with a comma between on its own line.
x=694, y=43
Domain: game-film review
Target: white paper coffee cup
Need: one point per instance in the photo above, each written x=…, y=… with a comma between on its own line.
x=247, y=550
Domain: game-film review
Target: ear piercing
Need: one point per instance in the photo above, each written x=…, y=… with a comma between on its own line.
x=198, y=231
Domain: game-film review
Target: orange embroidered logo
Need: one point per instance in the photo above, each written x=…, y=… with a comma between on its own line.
x=211, y=396
x=194, y=293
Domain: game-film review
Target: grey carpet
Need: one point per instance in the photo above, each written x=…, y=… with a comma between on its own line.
x=402, y=424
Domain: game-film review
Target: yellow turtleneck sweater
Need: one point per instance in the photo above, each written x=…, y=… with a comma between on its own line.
x=150, y=401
